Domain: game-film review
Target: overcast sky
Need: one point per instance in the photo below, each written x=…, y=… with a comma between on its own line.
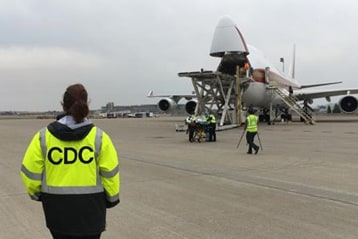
x=122, y=49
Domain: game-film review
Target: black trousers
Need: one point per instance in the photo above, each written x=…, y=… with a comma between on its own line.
x=212, y=132
x=191, y=130
x=61, y=236
x=250, y=136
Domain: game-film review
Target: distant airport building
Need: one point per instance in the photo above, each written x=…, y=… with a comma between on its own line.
x=135, y=111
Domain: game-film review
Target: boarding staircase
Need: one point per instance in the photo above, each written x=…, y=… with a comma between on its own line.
x=291, y=101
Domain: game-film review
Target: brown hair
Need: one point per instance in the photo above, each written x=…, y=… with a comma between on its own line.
x=75, y=102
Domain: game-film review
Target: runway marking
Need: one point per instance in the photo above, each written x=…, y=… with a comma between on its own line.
x=302, y=190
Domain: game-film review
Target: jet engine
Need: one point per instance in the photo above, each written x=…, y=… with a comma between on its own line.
x=348, y=104
x=190, y=106
x=166, y=104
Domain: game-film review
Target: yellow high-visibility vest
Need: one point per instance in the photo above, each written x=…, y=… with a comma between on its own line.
x=251, y=123
x=190, y=119
x=85, y=166
x=213, y=119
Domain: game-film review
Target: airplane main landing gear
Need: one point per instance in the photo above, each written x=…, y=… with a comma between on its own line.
x=265, y=117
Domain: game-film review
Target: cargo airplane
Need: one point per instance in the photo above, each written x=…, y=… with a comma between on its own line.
x=229, y=44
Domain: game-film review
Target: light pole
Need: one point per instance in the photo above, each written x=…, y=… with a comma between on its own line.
x=283, y=64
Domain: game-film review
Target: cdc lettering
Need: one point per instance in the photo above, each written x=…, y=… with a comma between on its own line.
x=66, y=152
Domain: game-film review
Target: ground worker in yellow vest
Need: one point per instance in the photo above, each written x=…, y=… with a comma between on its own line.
x=71, y=166
x=212, y=127
x=251, y=130
x=190, y=121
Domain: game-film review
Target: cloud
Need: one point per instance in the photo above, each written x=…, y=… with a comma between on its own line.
x=47, y=57
x=122, y=49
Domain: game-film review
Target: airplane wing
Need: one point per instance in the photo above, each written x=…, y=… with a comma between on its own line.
x=176, y=98
x=309, y=95
x=321, y=84
x=168, y=103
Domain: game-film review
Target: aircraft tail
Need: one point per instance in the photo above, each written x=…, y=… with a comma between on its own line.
x=150, y=94
x=292, y=68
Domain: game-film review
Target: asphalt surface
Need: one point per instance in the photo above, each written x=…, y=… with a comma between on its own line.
x=303, y=184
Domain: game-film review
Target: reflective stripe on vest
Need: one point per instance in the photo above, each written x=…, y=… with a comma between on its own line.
x=252, y=123
x=72, y=189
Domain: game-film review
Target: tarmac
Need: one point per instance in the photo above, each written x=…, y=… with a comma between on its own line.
x=303, y=184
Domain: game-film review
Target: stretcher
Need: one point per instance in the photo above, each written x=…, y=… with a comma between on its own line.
x=199, y=129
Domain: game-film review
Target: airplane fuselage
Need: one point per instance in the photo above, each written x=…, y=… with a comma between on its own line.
x=258, y=95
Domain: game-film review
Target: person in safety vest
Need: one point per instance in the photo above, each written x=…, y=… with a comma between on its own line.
x=212, y=127
x=190, y=121
x=72, y=167
x=251, y=130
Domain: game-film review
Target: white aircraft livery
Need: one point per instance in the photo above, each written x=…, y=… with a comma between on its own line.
x=262, y=85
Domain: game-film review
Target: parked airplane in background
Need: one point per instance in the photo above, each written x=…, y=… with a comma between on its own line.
x=168, y=103
x=260, y=78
